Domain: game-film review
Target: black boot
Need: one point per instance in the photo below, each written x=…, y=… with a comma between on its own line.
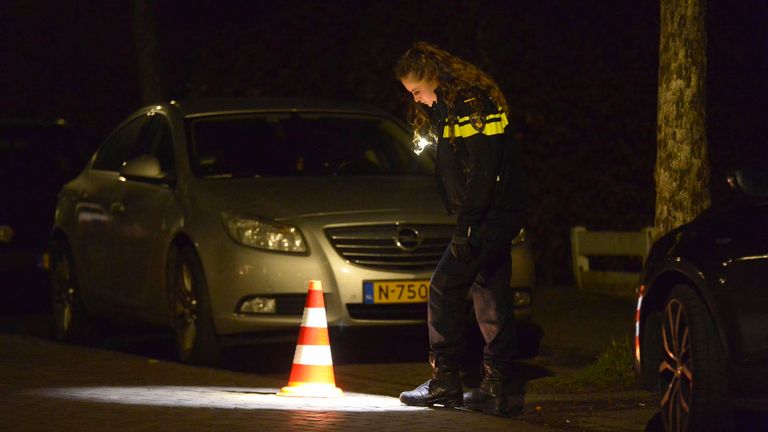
x=494, y=395
x=444, y=388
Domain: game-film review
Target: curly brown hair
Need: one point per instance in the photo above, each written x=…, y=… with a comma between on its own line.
x=453, y=75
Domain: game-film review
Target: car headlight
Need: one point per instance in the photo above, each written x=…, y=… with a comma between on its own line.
x=263, y=234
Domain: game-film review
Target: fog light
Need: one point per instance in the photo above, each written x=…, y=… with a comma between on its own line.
x=522, y=298
x=259, y=305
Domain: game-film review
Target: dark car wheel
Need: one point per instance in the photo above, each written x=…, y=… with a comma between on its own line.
x=71, y=323
x=692, y=373
x=195, y=336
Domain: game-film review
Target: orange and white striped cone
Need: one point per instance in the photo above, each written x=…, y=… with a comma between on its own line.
x=312, y=370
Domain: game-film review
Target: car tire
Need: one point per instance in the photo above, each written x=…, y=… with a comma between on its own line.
x=195, y=336
x=652, y=350
x=70, y=321
x=692, y=373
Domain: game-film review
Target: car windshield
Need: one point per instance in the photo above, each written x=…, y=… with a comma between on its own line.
x=302, y=144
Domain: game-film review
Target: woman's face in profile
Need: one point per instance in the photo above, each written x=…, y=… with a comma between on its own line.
x=423, y=91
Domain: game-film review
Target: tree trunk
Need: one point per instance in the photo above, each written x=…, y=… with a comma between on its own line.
x=147, y=51
x=682, y=164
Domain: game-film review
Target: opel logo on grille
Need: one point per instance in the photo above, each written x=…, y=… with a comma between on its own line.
x=407, y=239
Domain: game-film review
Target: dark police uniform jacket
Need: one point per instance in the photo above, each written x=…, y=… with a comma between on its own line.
x=478, y=167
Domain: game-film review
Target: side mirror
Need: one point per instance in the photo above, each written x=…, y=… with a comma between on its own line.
x=749, y=181
x=146, y=168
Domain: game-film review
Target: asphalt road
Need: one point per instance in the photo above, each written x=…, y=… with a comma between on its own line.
x=131, y=382
x=138, y=370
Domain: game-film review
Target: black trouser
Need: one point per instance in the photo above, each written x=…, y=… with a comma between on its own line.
x=486, y=279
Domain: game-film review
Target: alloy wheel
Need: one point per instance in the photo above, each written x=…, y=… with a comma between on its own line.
x=185, y=311
x=675, y=370
x=63, y=294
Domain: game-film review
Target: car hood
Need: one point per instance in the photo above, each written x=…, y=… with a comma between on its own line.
x=287, y=198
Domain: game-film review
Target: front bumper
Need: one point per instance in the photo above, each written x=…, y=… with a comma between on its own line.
x=236, y=273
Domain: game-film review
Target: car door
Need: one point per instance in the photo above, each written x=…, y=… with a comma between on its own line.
x=745, y=238
x=95, y=207
x=142, y=223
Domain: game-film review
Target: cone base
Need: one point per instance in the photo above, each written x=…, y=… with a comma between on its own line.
x=311, y=390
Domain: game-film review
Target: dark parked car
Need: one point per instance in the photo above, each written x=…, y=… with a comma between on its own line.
x=208, y=217
x=36, y=158
x=702, y=318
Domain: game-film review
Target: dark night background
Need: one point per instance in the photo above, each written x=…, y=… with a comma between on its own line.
x=580, y=76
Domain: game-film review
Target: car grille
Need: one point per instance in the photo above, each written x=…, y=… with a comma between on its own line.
x=410, y=247
x=410, y=311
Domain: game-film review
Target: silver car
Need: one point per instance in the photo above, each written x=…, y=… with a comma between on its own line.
x=209, y=217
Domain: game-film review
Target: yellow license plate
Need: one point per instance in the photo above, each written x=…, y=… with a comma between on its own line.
x=404, y=291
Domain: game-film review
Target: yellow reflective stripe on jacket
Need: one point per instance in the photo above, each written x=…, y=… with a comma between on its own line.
x=494, y=125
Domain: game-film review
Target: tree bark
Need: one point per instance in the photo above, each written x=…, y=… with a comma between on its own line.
x=147, y=51
x=682, y=163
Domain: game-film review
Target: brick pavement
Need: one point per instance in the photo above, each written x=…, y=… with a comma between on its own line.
x=46, y=386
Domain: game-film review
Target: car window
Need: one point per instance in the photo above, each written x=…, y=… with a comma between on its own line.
x=753, y=181
x=302, y=144
x=117, y=147
x=155, y=140
x=162, y=143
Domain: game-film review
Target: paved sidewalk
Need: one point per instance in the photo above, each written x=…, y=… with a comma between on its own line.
x=45, y=386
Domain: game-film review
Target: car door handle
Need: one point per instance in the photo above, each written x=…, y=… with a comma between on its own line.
x=117, y=207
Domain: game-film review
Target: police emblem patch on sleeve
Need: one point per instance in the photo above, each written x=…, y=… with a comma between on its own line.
x=477, y=121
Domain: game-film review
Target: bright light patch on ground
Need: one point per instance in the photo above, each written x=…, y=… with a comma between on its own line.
x=226, y=398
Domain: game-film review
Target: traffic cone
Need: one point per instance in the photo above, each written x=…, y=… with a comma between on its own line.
x=312, y=370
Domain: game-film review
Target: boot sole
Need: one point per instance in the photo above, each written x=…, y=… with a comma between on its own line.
x=440, y=402
x=446, y=403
